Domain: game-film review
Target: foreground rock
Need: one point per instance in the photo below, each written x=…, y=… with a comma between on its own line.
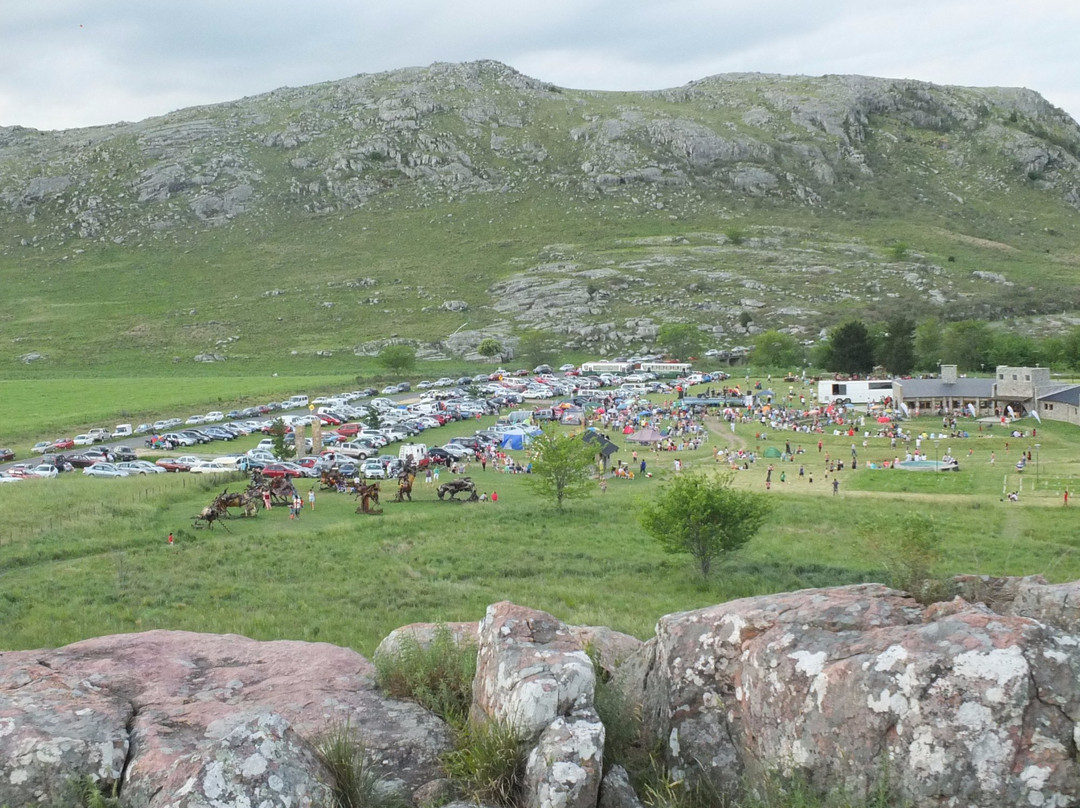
x=184, y=719
x=959, y=705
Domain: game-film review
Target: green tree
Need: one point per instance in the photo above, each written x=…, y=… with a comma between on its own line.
x=773, y=349
x=681, y=340
x=850, y=348
x=705, y=517
x=745, y=318
x=397, y=357
x=562, y=466
x=1007, y=348
x=897, y=349
x=928, y=345
x=966, y=344
x=279, y=435
x=489, y=347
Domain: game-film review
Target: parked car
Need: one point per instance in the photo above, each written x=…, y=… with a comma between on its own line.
x=211, y=467
x=104, y=470
x=137, y=467
x=44, y=470
x=281, y=470
x=63, y=443
x=7, y=455
x=42, y=446
x=372, y=468
x=123, y=453
x=183, y=463
x=82, y=461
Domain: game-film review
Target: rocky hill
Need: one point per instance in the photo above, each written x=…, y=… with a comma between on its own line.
x=414, y=201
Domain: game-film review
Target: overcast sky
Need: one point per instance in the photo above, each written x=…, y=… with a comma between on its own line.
x=70, y=63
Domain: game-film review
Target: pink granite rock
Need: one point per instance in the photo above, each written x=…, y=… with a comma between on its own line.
x=143, y=709
x=530, y=670
x=960, y=705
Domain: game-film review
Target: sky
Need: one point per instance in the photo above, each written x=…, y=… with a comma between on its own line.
x=75, y=63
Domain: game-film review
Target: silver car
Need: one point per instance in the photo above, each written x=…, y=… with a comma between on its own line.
x=104, y=470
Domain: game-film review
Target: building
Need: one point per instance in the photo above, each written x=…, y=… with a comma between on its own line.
x=1012, y=388
x=1061, y=405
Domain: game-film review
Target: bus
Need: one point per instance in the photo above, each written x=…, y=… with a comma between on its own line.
x=607, y=367
x=664, y=368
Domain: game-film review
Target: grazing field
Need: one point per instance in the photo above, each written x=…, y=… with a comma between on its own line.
x=83, y=557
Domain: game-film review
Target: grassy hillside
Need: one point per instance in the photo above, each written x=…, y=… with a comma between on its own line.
x=333, y=217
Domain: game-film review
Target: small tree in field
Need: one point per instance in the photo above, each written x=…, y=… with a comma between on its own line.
x=397, y=357
x=489, y=348
x=279, y=435
x=704, y=516
x=562, y=467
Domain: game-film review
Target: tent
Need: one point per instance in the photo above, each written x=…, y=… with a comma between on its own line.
x=646, y=435
x=515, y=441
x=772, y=451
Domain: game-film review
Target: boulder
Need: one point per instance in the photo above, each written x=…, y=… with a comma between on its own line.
x=958, y=705
x=616, y=791
x=215, y=715
x=1056, y=605
x=423, y=634
x=530, y=670
x=564, y=768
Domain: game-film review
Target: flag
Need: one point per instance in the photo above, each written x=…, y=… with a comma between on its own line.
x=971, y=409
x=903, y=408
x=1035, y=415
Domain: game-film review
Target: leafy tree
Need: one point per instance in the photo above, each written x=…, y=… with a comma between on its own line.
x=897, y=349
x=966, y=344
x=489, y=347
x=536, y=348
x=279, y=435
x=745, y=318
x=850, y=348
x=397, y=357
x=1070, y=349
x=681, y=340
x=928, y=344
x=562, y=466
x=776, y=350
x=704, y=516
x=1007, y=348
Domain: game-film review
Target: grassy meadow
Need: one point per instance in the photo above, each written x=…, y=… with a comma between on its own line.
x=82, y=557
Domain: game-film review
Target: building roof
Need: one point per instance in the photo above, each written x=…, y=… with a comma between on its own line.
x=1065, y=395
x=939, y=388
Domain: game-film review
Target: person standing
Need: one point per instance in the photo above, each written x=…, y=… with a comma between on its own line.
x=643, y=466
x=835, y=485
x=171, y=536
x=494, y=496
x=311, y=498
x=1066, y=505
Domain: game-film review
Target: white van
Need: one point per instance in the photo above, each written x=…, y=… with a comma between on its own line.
x=297, y=401
x=122, y=431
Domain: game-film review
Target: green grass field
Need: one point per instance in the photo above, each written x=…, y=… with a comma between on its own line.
x=83, y=557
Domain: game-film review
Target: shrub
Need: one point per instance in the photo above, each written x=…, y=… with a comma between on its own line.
x=85, y=792
x=438, y=677
x=909, y=552
x=353, y=781
x=488, y=762
x=622, y=723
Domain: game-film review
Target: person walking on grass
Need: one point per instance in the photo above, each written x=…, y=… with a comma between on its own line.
x=311, y=498
x=835, y=485
x=171, y=536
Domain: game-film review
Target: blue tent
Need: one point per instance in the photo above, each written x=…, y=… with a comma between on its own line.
x=515, y=441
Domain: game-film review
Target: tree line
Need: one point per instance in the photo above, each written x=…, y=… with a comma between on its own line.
x=902, y=346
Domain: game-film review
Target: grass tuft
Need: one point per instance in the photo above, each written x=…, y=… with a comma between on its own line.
x=487, y=762
x=353, y=781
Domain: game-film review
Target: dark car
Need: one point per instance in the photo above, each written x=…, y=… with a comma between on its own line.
x=123, y=454
x=279, y=470
x=6, y=455
x=82, y=461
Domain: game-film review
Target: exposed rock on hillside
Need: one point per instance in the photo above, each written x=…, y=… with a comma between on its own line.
x=846, y=147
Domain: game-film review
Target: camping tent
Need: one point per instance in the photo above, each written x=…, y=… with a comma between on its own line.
x=646, y=435
x=772, y=451
x=515, y=441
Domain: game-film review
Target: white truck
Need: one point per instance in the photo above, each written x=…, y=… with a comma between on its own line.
x=414, y=450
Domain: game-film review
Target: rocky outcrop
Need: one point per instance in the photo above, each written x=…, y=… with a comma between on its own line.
x=975, y=702
x=958, y=704
x=181, y=719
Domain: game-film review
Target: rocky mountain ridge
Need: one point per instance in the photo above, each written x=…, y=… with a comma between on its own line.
x=780, y=166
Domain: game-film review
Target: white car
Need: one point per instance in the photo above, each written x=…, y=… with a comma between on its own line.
x=104, y=470
x=136, y=467
x=44, y=470
x=211, y=467
x=196, y=419
x=216, y=415
x=83, y=440
x=373, y=468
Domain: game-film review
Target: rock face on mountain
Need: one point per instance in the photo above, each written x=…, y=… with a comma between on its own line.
x=953, y=704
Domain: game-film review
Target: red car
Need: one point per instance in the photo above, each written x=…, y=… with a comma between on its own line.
x=278, y=470
x=6, y=455
x=63, y=443
x=348, y=430
x=330, y=420
x=174, y=464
